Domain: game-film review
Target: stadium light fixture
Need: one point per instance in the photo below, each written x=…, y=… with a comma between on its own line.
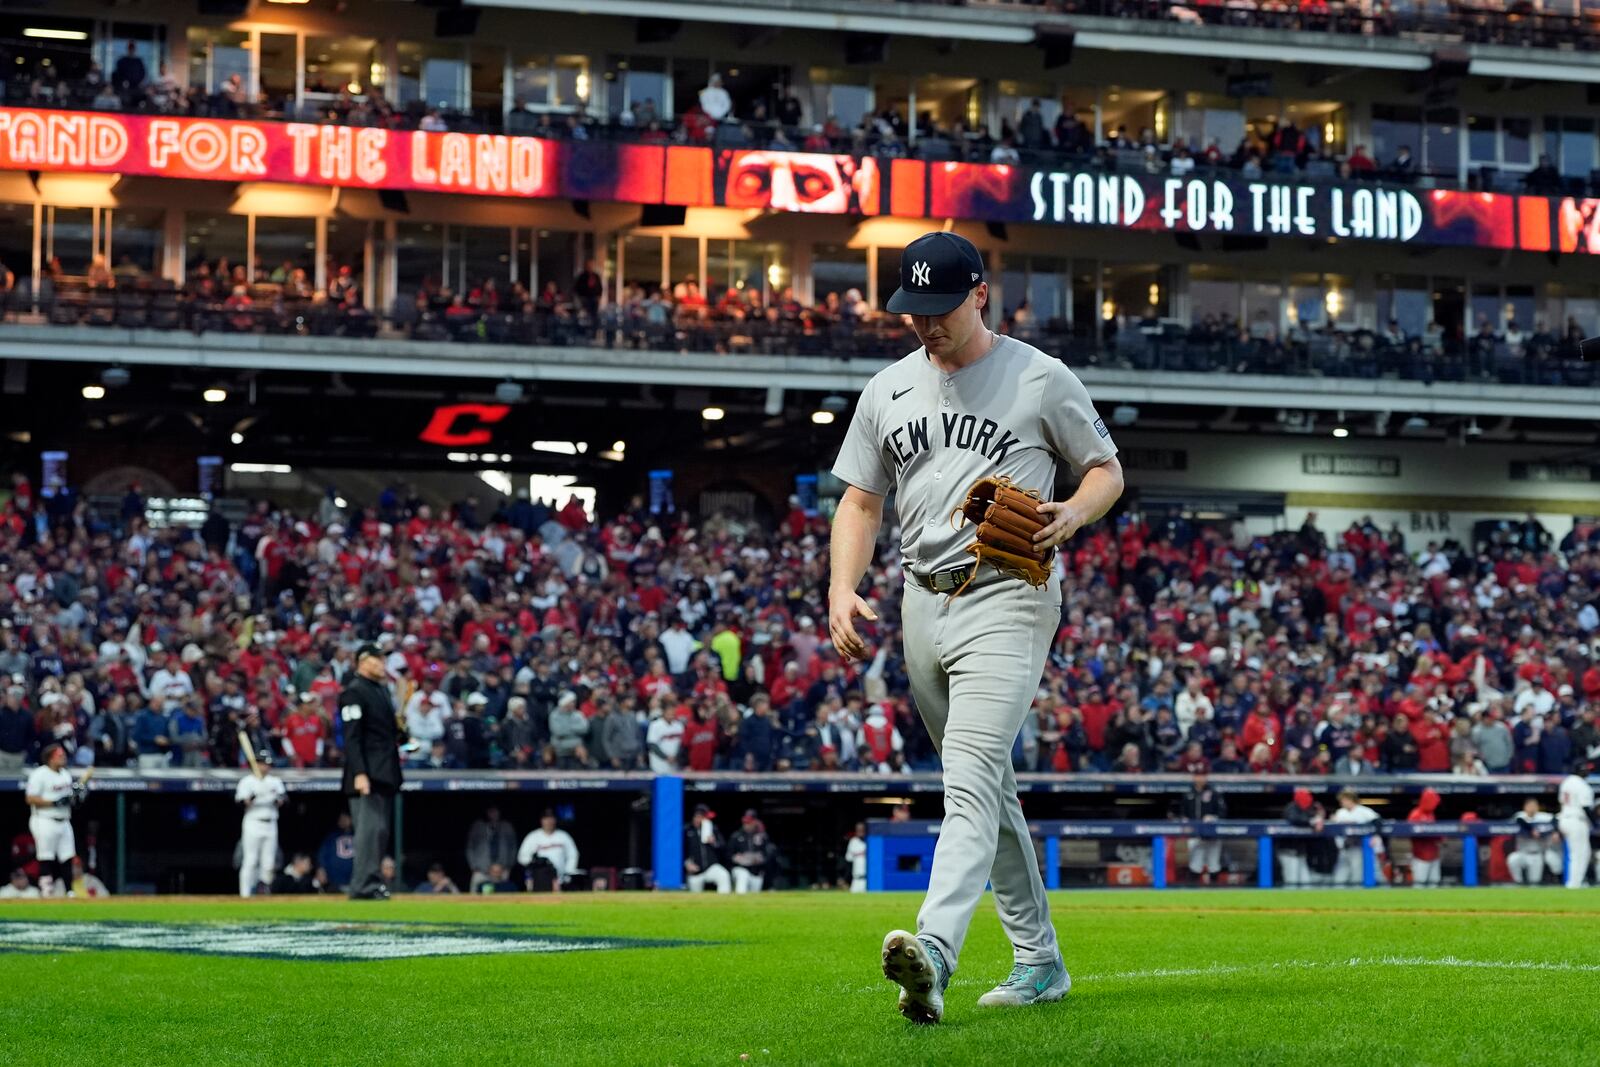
x=94, y=392
x=619, y=446
x=214, y=395
x=822, y=418
x=713, y=414
x=237, y=438
x=44, y=33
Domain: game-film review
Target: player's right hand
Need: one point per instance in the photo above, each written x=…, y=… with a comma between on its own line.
x=363, y=784
x=842, y=611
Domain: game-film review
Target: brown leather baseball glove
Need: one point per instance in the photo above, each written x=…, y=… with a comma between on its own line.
x=1006, y=516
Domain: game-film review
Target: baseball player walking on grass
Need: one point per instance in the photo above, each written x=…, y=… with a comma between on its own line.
x=51, y=796
x=966, y=431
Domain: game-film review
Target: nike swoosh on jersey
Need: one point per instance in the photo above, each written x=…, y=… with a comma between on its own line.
x=901, y=393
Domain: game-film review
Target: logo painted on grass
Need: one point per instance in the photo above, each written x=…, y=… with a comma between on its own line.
x=304, y=940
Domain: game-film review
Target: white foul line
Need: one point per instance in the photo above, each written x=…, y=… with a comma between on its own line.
x=1217, y=969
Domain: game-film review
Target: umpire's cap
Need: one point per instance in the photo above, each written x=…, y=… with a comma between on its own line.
x=369, y=649
x=937, y=271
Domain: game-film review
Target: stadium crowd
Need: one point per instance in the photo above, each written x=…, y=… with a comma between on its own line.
x=533, y=636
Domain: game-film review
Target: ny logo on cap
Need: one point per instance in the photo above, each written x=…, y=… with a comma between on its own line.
x=920, y=274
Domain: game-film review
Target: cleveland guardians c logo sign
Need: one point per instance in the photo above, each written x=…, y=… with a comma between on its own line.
x=455, y=425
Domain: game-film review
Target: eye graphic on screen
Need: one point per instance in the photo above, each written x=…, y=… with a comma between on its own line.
x=807, y=183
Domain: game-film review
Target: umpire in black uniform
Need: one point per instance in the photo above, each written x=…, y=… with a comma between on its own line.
x=371, y=768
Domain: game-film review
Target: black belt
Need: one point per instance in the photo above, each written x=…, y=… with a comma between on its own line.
x=942, y=581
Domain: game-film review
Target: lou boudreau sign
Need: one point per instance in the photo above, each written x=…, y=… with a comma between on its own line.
x=1202, y=205
x=1351, y=466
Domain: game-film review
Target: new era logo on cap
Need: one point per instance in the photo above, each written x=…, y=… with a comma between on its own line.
x=937, y=271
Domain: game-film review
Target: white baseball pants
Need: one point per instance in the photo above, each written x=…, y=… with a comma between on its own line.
x=258, y=863
x=975, y=663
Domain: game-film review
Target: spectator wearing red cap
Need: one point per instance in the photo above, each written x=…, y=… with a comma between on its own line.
x=1425, y=850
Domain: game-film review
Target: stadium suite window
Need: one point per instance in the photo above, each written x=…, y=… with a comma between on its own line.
x=1500, y=141
x=279, y=56
x=136, y=239
x=222, y=242
x=334, y=64
x=1407, y=299
x=1573, y=307
x=836, y=269
x=545, y=82
x=70, y=238
x=284, y=245
x=1013, y=98
x=486, y=80
x=419, y=256
x=66, y=56
x=1321, y=300
x=347, y=245
x=846, y=95
x=1209, y=117
x=480, y=254
x=16, y=241
x=1501, y=305
x=1570, y=143
x=745, y=266
x=642, y=261
x=216, y=55
x=149, y=43
x=684, y=263
x=640, y=86
x=433, y=74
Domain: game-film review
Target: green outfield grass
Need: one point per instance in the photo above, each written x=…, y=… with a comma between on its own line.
x=1493, y=976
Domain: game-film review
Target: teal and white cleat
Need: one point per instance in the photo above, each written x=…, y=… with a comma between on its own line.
x=1041, y=984
x=918, y=968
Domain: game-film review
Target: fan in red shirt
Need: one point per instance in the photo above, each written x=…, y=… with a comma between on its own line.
x=1261, y=728
x=1095, y=713
x=1433, y=746
x=1425, y=850
x=1360, y=616
x=700, y=739
x=305, y=732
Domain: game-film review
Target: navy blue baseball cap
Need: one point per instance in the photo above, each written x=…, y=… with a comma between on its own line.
x=937, y=271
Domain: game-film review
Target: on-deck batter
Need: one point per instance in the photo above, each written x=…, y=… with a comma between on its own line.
x=50, y=796
x=969, y=403
x=262, y=795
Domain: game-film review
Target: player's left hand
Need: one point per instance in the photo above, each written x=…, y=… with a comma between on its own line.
x=1063, y=525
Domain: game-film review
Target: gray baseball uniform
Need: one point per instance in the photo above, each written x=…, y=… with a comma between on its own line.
x=975, y=660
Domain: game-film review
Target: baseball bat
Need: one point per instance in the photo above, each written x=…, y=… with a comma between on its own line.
x=250, y=754
x=83, y=779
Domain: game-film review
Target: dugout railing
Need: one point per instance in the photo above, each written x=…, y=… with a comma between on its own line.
x=900, y=854
x=173, y=830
